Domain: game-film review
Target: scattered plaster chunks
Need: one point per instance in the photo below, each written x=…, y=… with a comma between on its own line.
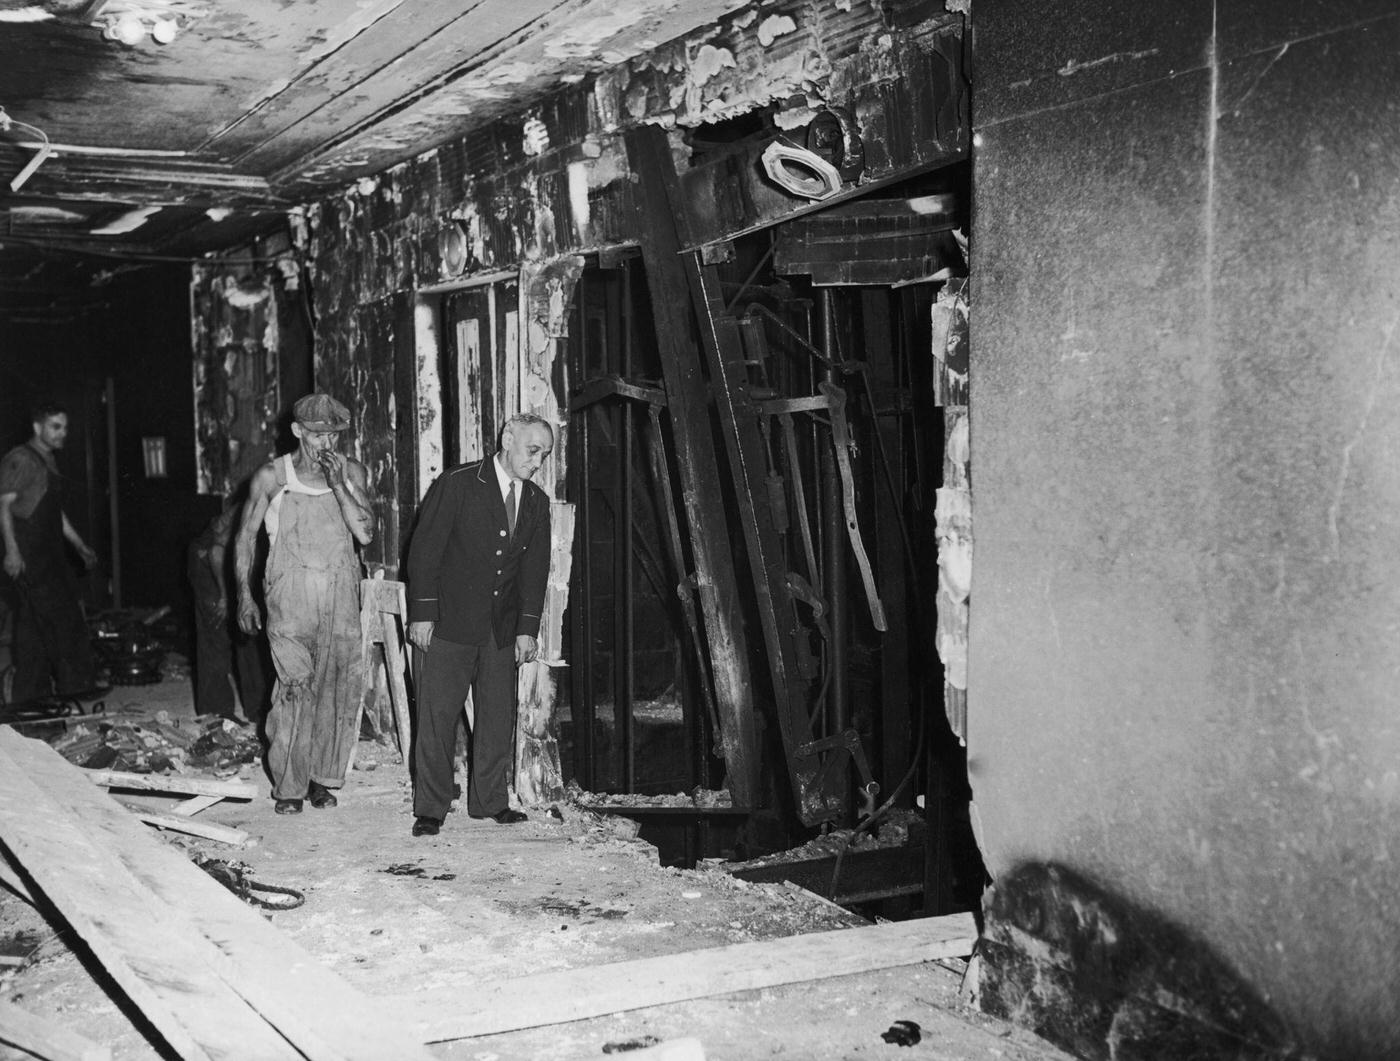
x=773, y=27
x=709, y=61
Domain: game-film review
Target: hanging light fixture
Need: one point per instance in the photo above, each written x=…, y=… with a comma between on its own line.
x=134, y=22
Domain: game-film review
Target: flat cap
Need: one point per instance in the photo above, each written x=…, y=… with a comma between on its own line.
x=321, y=412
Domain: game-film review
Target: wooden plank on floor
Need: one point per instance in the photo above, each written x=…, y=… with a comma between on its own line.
x=159, y=967
x=462, y=1012
x=193, y=786
x=189, y=807
x=47, y=1040
x=309, y=1004
x=222, y=833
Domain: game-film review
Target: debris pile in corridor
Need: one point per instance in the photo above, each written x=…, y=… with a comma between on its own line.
x=158, y=744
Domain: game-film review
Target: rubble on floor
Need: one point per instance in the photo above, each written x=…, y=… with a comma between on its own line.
x=696, y=797
x=894, y=830
x=160, y=744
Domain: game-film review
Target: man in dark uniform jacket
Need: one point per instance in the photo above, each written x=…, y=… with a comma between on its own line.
x=477, y=570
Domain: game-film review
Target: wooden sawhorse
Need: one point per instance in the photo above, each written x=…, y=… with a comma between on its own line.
x=384, y=619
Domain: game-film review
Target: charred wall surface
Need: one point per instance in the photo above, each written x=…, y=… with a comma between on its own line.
x=1184, y=391
x=554, y=181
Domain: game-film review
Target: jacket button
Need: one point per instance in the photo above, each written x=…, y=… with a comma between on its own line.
x=503, y=534
x=498, y=552
x=495, y=593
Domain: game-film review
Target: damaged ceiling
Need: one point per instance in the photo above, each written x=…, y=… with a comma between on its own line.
x=216, y=117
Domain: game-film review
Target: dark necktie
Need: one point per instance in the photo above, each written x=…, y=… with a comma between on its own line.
x=510, y=511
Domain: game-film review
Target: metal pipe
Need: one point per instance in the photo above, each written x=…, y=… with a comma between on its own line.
x=626, y=604
x=834, y=551
x=582, y=604
x=113, y=506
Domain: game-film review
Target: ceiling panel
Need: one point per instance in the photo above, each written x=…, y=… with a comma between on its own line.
x=259, y=104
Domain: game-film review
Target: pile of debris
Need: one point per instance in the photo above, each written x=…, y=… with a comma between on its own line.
x=697, y=797
x=894, y=829
x=159, y=745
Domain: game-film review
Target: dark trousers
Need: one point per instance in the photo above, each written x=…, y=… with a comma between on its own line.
x=217, y=652
x=446, y=671
x=220, y=649
x=51, y=646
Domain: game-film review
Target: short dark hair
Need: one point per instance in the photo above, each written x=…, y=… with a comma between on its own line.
x=43, y=410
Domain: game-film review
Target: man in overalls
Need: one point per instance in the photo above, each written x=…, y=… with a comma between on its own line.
x=51, y=646
x=314, y=504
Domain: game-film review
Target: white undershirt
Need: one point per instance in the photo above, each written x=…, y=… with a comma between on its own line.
x=503, y=480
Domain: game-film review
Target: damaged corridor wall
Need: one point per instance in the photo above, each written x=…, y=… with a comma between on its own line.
x=1184, y=737
x=553, y=182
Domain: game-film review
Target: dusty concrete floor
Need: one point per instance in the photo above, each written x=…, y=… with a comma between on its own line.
x=480, y=903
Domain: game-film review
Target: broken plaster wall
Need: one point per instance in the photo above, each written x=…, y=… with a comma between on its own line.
x=236, y=380
x=1183, y=738
x=553, y=182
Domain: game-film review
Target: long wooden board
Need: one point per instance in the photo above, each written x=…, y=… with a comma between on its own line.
x=309, y=1004
x=194, y=786
x=222, y=833
x=159, y=967
x=43, y=1038
x=577, y=994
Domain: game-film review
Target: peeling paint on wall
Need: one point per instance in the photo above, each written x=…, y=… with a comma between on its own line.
x=235, y=375
x=561, y=186
x=546, y=291
x=428, y=385
x=953, y=508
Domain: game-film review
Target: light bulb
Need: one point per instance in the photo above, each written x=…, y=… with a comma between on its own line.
x=129, y=30
x=163, y=30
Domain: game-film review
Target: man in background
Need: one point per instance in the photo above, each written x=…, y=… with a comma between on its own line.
x=314, y=504
x=220, y=649
x=477, y=572
x=51, y=645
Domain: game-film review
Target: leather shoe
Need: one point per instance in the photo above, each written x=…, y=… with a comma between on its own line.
x=287, y=806
x=509, y=816
x=320, y=796
x=426, y=826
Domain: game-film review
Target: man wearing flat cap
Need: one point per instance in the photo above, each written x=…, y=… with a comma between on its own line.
x=314, y=504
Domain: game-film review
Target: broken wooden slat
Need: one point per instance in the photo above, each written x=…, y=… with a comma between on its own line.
x=159, y=967
x=577, y=994
x=47, y=1040
x=383, y=607
x=307, y=1003
x=194, y=786
x=193, y=805
x=396, y=664
x=208, y=830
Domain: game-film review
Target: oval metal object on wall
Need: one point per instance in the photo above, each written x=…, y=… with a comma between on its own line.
x=452, y=248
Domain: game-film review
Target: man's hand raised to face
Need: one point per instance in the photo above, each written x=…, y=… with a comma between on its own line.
x=333, y=466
